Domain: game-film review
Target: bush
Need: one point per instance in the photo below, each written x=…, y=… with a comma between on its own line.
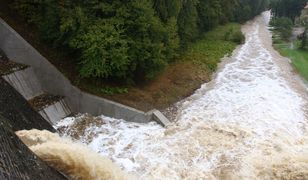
x=234, y=36
x=238, y=37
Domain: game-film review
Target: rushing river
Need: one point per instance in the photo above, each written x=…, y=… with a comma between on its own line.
x=250, y=122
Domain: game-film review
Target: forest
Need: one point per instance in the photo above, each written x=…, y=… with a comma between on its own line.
x=287, y=8
x=130, y=40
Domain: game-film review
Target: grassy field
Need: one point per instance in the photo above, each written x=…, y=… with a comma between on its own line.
x=179, y=80
x=298, y=56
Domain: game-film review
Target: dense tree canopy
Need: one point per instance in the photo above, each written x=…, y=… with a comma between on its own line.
x=287, y=8
x=126, y=39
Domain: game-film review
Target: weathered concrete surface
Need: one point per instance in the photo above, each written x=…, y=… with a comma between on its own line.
x=55, y=112
x=160, y=118
x=52, y=81
x=18, y=112
x=25, y=82
x=97, y=106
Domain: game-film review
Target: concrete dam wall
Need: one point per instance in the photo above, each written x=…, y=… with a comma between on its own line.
x=23, y=79
x=53, y=82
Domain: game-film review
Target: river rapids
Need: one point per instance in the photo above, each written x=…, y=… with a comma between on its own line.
x=250, y=122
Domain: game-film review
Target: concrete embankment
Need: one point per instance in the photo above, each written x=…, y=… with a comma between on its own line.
x=53, y=82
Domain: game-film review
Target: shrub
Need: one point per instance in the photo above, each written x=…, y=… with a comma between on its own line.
x=234, y=36
x=238, y=37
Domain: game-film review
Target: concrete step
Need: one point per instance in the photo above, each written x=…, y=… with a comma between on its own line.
x=22, y=78
x=52, y=108
x=160, y=118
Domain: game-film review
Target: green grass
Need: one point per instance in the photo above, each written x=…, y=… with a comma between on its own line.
x=214, y=45
x=298, y=56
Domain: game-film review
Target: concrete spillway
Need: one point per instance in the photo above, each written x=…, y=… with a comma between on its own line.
x=54, y=82
x=55, y=112
x=26, y=83
x=250, y=122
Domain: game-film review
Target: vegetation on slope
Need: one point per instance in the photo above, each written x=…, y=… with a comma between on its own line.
x=131, y=41
x=140, y=53
x=285, y=12
x=215, y=44
x=298, y=56
x=182, y=77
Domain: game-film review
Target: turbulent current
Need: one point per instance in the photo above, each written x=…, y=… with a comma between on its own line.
x=250, y=122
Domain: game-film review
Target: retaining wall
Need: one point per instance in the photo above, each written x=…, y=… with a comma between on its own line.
x=25, y=82
x=52, y=81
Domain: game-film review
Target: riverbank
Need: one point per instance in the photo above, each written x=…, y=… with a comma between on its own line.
x=298, y=56
x=179, y=80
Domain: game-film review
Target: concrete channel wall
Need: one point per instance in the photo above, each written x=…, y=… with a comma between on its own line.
x=27, y=87
x=52, y=81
